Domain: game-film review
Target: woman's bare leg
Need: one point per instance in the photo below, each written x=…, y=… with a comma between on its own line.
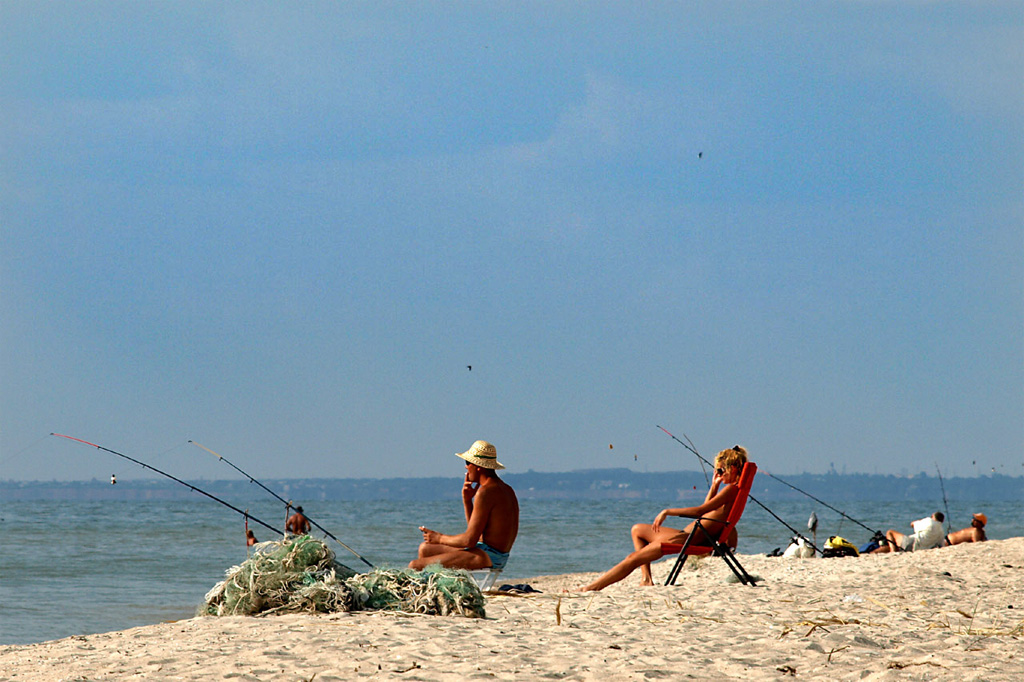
x=644, y=534
x=635, y=560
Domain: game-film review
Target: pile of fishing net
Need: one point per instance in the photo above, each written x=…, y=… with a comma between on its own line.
x=300, y=574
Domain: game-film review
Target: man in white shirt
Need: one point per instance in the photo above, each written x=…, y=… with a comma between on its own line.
x=927, y=534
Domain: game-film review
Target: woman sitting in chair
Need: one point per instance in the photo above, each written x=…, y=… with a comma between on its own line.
x=648, y=537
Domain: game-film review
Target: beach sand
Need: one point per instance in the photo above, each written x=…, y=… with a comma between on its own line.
x=955, y=613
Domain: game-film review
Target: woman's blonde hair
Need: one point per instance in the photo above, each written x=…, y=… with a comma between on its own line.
x=736, y=456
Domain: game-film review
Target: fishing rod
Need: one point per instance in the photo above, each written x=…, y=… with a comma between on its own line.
x=246, y=514
x=949, y=525
x=843, y=514
x=287, y=503
x=689, y=446
x=749, y=496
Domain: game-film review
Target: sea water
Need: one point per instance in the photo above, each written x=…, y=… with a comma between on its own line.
x=82, y=567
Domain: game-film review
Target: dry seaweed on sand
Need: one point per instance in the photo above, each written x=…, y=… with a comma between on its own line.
x=300, y=574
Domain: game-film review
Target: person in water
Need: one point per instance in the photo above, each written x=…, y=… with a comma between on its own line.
x=492, y=518
x=297, y=523
x=973, y=533
x=648, y=538
x=250, y=538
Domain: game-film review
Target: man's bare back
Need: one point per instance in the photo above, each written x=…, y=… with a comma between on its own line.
x=297, y=523
x=498, y=503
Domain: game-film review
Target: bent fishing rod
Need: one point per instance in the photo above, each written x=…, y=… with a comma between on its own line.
x=692, y=449
x=949, y=523
x=690, y=446
x=287, y=503
x=246, y=514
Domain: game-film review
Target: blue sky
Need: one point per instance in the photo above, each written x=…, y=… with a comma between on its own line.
x=284, y=231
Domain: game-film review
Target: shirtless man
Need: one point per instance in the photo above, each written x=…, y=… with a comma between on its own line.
x=973, y=533
x=648, y=538
x=297, y=523
x=492, y=518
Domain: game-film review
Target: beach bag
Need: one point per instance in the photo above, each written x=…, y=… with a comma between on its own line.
x=837, y=546
x=869, y=547
x=874, y=543
x=798, y=549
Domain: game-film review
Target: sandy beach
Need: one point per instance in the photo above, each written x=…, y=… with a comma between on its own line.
x=952, y=613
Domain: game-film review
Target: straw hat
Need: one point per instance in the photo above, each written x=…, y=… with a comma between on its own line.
x=482, y=454
x=982, y=518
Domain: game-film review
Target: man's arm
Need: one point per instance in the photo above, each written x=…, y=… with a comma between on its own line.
x=468, y=493
x=482, y=503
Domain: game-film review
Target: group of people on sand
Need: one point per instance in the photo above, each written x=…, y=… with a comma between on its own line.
x=492, y=522
x=929, y=534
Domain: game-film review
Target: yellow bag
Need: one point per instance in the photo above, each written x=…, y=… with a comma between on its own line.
x=837, y=546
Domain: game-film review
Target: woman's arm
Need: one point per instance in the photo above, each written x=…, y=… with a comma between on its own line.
x=714, y=502
x=713, y=490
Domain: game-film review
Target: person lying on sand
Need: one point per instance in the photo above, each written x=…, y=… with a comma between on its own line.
x=927, y=535
x=648, y=538
x=973, y=533
x=492, y=518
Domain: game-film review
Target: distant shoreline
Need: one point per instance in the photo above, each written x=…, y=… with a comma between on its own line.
x=596, y=484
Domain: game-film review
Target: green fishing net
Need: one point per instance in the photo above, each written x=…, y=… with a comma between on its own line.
x=300, y=574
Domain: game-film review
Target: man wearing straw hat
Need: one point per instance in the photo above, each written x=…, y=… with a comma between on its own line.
x=492, y=518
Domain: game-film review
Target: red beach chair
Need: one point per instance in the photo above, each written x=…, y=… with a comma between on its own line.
x=716, y=545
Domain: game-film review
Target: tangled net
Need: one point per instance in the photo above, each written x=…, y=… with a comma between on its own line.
x=300, y=574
